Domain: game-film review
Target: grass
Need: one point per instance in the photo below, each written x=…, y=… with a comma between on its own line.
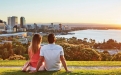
x=62, y=72
x=17, y=71
x=69, y=63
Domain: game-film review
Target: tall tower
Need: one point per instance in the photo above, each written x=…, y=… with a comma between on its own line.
x=22, y=22
x=9, y=20
x=14, y=21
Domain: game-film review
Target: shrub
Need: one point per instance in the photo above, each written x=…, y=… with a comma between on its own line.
x=16, y=57
x=1, y=59
x=116, y=57
x=105, y=56
x=19, y=50
x=26, y=56
x=76, y=53
x=5, y=54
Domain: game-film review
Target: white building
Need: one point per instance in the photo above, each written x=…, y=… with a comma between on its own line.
x=13, y=21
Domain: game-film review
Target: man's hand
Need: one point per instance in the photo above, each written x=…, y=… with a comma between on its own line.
x=33, y=71
x=68, y=71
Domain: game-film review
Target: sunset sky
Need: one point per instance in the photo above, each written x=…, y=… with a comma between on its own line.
x=63, y=11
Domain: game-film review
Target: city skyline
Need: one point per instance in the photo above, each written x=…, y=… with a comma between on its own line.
x=63, y=11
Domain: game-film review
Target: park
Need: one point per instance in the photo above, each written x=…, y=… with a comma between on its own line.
x=81, y=55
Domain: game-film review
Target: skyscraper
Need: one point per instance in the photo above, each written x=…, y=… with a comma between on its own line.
x=13, y=21
x=22, y=22
x=9, y=20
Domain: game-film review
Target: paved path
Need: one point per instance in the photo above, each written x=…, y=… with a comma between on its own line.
x=73, y=67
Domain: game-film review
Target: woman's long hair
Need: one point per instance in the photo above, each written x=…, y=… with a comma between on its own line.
x=36, y=41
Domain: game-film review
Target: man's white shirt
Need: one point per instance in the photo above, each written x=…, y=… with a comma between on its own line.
x=52, y=53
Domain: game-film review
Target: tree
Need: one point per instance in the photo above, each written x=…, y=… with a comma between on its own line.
x=5, y=54
x=116, y=57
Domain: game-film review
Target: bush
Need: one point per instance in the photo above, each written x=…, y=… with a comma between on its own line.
x=16, y=57
x=5, y=54
x=76, y=53
x=1, y=59
x=19, y=50
x=116, y=57
x=26, y=56
x=105, y=56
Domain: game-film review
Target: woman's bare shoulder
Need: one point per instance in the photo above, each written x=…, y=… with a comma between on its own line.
x=29, y=48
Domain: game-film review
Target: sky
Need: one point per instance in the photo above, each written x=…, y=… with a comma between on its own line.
x=63, y=11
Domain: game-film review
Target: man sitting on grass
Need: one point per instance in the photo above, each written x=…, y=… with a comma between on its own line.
x=52, y=54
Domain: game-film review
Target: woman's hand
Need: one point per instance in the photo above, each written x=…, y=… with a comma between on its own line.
x=33, y=71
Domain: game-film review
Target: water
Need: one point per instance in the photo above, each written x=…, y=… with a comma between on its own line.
x=111, y=51
x=98, y=35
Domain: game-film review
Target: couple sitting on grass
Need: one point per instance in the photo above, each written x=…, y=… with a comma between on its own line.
x=47, y=57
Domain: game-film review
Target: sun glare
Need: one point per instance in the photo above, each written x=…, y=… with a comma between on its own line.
x=118, y=21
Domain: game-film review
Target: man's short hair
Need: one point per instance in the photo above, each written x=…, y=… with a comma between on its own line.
x=51, y=38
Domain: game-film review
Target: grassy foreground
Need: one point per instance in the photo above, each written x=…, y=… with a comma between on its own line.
x=17, y=71
x=69, y=63
x=62, y=72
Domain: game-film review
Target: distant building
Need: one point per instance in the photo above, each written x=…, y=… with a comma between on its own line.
x=56, y=27
x=15, y=28
x=29, y=27
x=60, y=26
x=51, y=27
x=44, y=27
x=22, y=22
x=13, y=21
x=21, y=29
x=9, y=20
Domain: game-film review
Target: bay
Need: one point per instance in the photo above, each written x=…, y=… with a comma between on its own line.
x=98, y=35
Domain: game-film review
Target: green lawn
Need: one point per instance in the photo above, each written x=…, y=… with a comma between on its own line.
x=62, y=72
x=75, y=71
x=69, y=63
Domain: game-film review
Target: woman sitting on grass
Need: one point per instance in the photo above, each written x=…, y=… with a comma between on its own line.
x=34, y=51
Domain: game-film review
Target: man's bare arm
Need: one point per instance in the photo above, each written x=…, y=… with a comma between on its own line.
x=40, y=62
x=64, y=63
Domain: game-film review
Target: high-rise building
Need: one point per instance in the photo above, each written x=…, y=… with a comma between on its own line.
x=13, y=21
x=22, y=22
x=9, y=20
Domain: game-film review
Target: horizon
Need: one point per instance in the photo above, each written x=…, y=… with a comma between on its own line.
x=61, y=11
